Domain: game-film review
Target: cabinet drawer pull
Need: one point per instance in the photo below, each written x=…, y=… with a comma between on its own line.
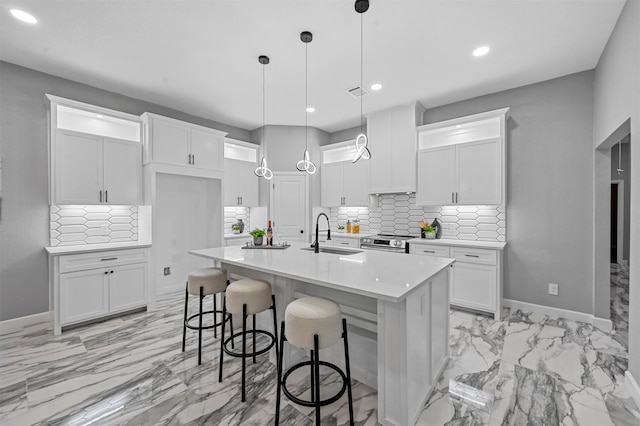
x=429, y=251
x=472, y=255
x=108, y=258
x=344, y=244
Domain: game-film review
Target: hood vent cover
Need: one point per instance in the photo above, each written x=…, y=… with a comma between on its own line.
x=357, y=91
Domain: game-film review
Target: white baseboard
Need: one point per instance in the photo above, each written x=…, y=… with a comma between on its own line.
x=18, y=324
x=632, y=387
x=601, y=323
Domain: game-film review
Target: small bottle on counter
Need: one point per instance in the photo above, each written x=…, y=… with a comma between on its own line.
x=269, y=234
x=355, y=228
x=348, y=226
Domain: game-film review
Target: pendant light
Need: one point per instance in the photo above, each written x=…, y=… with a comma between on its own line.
x=263, y=170
x=305, y=165
x=620, y=169
x=362, y=142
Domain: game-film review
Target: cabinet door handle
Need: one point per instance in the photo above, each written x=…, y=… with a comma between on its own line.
x=106, y=272
x=456, y=198
x=472, y=255
x=240, y=200
x=452, y=199
x=108, y=258
x=101, y=195
x=106, y=196
x=112, y=272
x=193, y=159
x=428, y=251
x=189, y=160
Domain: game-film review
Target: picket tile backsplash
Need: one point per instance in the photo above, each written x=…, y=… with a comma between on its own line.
x=79, y=225
x=398, y=214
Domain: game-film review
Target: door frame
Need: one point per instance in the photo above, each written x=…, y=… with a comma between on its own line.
x=307, y=220
x=620, y=236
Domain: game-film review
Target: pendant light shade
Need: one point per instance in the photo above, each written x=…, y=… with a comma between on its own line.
x=263, y=170
x=362, y=142
x=306, y=165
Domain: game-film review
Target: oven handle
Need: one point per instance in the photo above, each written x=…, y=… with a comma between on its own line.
x=392, y=250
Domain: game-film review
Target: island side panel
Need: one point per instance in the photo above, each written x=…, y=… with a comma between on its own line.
x=440, y=317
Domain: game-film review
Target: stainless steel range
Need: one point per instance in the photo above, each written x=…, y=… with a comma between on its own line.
x=386, y=242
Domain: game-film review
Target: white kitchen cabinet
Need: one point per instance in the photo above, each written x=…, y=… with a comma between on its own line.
x=463, y=161
x=466, y=174
x=475, y=280
x=176, y=142
x=89, y=286
x=392, y=142
x=241, y=185
x=343, y=183
x=92, y=169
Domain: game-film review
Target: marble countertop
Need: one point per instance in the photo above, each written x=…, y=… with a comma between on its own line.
x=460, y=243
x=382, y=275
x=88, y=248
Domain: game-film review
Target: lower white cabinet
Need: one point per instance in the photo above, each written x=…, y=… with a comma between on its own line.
x=475, y=279
x=92, y=285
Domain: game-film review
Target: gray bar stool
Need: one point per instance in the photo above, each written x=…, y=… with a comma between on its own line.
x=247, y=297
x=203, y=282
x=314, y=323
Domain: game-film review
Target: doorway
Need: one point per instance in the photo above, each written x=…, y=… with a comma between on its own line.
x=289, y=207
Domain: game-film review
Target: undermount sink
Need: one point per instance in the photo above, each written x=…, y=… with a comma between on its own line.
x=333, y=250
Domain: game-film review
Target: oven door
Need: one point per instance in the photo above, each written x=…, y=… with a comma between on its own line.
x=383, y=248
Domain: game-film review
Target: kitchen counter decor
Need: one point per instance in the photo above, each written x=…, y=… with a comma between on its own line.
x=257, y=235
x=283, y=246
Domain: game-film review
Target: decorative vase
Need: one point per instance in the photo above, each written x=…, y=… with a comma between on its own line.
x=257, y=241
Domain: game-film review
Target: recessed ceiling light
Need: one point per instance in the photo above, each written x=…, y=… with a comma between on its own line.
x=99, y=116
x=23, y=16
x=481, y=51
x=376, y=86
x=311, y=109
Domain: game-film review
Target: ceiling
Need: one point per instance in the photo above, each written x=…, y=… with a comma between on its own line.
x=201, y=57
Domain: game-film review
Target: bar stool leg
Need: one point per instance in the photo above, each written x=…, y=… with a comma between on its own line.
x=275, y=323
x=317, y=378
x=254, y=338
x=233, y=345
x=280, y=356
x=224, y=320
x=244, y=347
x=215, y=310
x=346, y=359
x=200, y=330
x=312, y=374
x=184, y=324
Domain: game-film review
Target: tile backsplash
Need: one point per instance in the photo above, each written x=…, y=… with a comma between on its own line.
x=231, y=216
x=78, y=225
x=398, y=214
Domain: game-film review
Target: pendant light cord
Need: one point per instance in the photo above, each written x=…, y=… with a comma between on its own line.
x=306, y=96
x=263, y=114
x=361, y=56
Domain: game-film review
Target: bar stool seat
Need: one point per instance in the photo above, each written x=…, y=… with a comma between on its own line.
x=313, y=323
x=203, y=282
x=248, y=297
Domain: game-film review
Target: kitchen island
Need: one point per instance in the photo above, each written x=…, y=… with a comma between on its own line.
x=396, y=306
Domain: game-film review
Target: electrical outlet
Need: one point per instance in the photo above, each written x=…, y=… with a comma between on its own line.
x=553, y=289
x=167, y=270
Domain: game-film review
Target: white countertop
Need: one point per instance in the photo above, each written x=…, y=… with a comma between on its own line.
x=88, y=248
x=232, y=236
x=382, y=275
x=460, y=243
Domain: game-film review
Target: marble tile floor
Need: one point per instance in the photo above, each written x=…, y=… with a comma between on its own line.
x=525, y=369
x=619, y=309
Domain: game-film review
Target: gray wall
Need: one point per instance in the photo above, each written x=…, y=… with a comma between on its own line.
x=549, y=187
x=24, y=226
x=345, y=135
x=616, y=100
x=624, y=176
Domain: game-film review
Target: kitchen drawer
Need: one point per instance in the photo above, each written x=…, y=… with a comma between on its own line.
x=346, y=242
x=429, y=250
x=229, y=242
x=472, y=255
x=103, y=259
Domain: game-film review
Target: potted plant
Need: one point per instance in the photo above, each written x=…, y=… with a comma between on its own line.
x=340, y=228
x=235, y=229
x=257, y=235
x=427, y=231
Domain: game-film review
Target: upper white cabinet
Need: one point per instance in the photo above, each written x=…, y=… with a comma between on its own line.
x=176, y=142
x=343, y=183
x=241, y=185
x=392, y=141
x=463, y=161
x=96, y=155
